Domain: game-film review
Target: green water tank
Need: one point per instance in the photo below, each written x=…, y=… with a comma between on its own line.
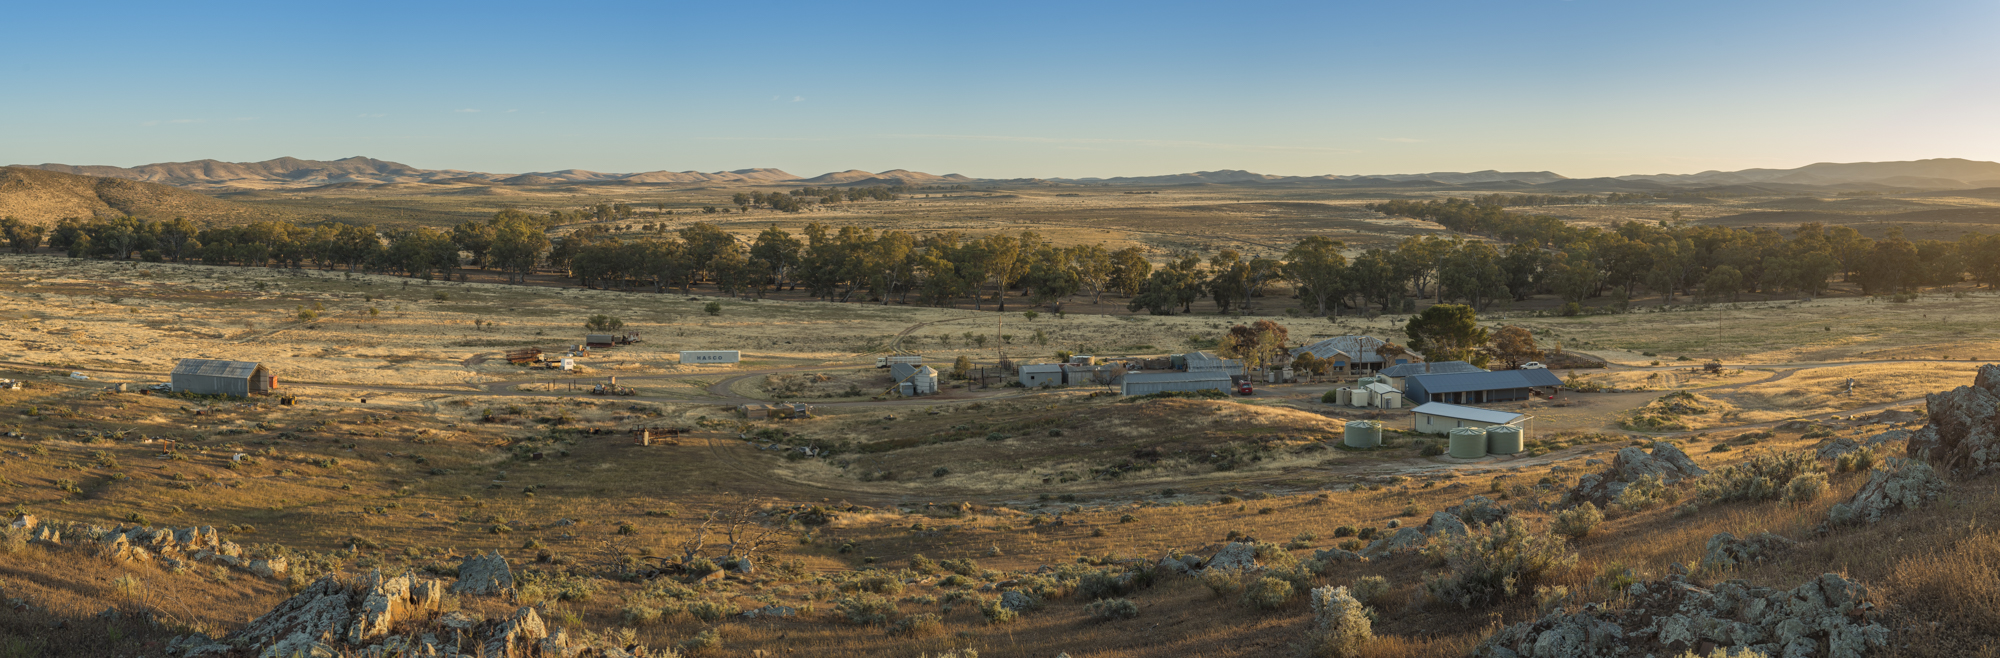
x=1363, y=434
x=1468, y=443
x=1503, y=439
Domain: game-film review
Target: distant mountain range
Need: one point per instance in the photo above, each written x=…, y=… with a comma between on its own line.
x=293, y=173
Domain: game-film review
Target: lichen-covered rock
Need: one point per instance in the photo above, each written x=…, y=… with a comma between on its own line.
x=1183, y=565
x=1018, y=601
x=484, y=574
x=1837, y=446
x=25, y=522
x=1235, y=556
x=1886, y=437
x=1665, y=462
x=1479, y=510
x=1964, y=432
x=1905, y=484
x=386, y=601
x=317, y=615
x=1673, y=616
x=270, y=568
x=518, y=636
x=1334, y=555
x=1725, y=551
x=1445, y=523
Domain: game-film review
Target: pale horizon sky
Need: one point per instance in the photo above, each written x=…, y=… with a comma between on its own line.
x=1582, y=88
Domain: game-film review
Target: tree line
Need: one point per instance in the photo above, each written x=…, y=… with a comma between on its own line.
x=1526, y=255
x=801, y=199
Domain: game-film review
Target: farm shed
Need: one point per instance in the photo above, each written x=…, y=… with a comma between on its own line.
x=1042, y=374
x=1397, y=374
x=1441, y=418
x=710, y=356
x=1144, y=383
x=218, y=377
x=1351, y=354
x=1478, y=387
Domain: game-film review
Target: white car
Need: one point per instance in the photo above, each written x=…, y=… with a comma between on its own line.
x=1534, y=365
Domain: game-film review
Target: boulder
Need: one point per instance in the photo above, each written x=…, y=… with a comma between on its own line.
x=1018, y=601
x=1905, y=484
x=317, y=615
x=1405, y=540
x=1665, y=462
x=1885, y=437
x=387, y=601
x=1479, y=510
x=1183, y=565
x=25, y=522
x=1725, y=551
x=518, y=636
x=271, y=568
x=1445, y=523
x=1236, y=556
x=484, y=574
x=1672, y=616
x=1964, y=432
x=1837, y=446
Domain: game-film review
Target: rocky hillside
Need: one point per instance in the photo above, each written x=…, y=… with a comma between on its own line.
x=45, y=197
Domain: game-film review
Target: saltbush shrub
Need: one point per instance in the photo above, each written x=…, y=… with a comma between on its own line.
x=1763, y=477
x=1109, y=609
x=1500, y=562
x=1577, y=522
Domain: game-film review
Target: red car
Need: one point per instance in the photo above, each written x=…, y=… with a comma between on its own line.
x=1244, y=389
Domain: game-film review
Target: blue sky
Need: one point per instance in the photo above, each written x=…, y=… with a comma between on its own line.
x=1582, y=88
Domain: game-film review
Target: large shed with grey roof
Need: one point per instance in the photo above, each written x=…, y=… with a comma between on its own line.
x=1479, y=387
x=1397, y=374
x=1145, y=383
x=218, y=377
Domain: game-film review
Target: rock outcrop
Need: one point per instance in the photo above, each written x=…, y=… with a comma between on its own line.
x=1666, y=462
x=1674, y=616
x=1964, y=432
x=1235, y=556
x=1904, y=484
x=484, y=574
x=1835, y=447
x=1725, y=551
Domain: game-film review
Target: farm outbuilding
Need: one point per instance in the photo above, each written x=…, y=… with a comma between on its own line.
x=710, y=356
x=1441, y=418
x=1203, y=361
x=218, y=377
x=1145, y=383
x=1042, y=374
x=1399, y=373
x=1479, y=387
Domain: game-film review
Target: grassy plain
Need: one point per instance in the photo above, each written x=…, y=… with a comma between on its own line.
x=413, y=445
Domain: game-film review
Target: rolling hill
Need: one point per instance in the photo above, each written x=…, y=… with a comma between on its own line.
x=45, y=197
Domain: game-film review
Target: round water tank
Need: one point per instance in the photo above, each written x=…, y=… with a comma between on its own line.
x=1503, y=439
x=1363, y=434
x=1468, y=443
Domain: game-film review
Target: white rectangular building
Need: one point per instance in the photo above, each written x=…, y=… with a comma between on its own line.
x=1441, y=418
x=701, y=357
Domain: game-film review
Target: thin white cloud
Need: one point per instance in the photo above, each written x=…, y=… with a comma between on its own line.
x=1165, y=143
x=466, y=111
x=797, y=99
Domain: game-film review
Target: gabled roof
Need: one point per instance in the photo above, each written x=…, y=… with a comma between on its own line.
x=1042, y=368
x=1381, y=389
x=1439, y=368
x=216, y=368
x=1486, y=381
x=1171, y=377
x=1474, y=414
x=1359, y=349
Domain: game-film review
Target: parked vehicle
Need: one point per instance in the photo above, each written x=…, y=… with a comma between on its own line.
x=1534, y=365
x=1244, y=389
